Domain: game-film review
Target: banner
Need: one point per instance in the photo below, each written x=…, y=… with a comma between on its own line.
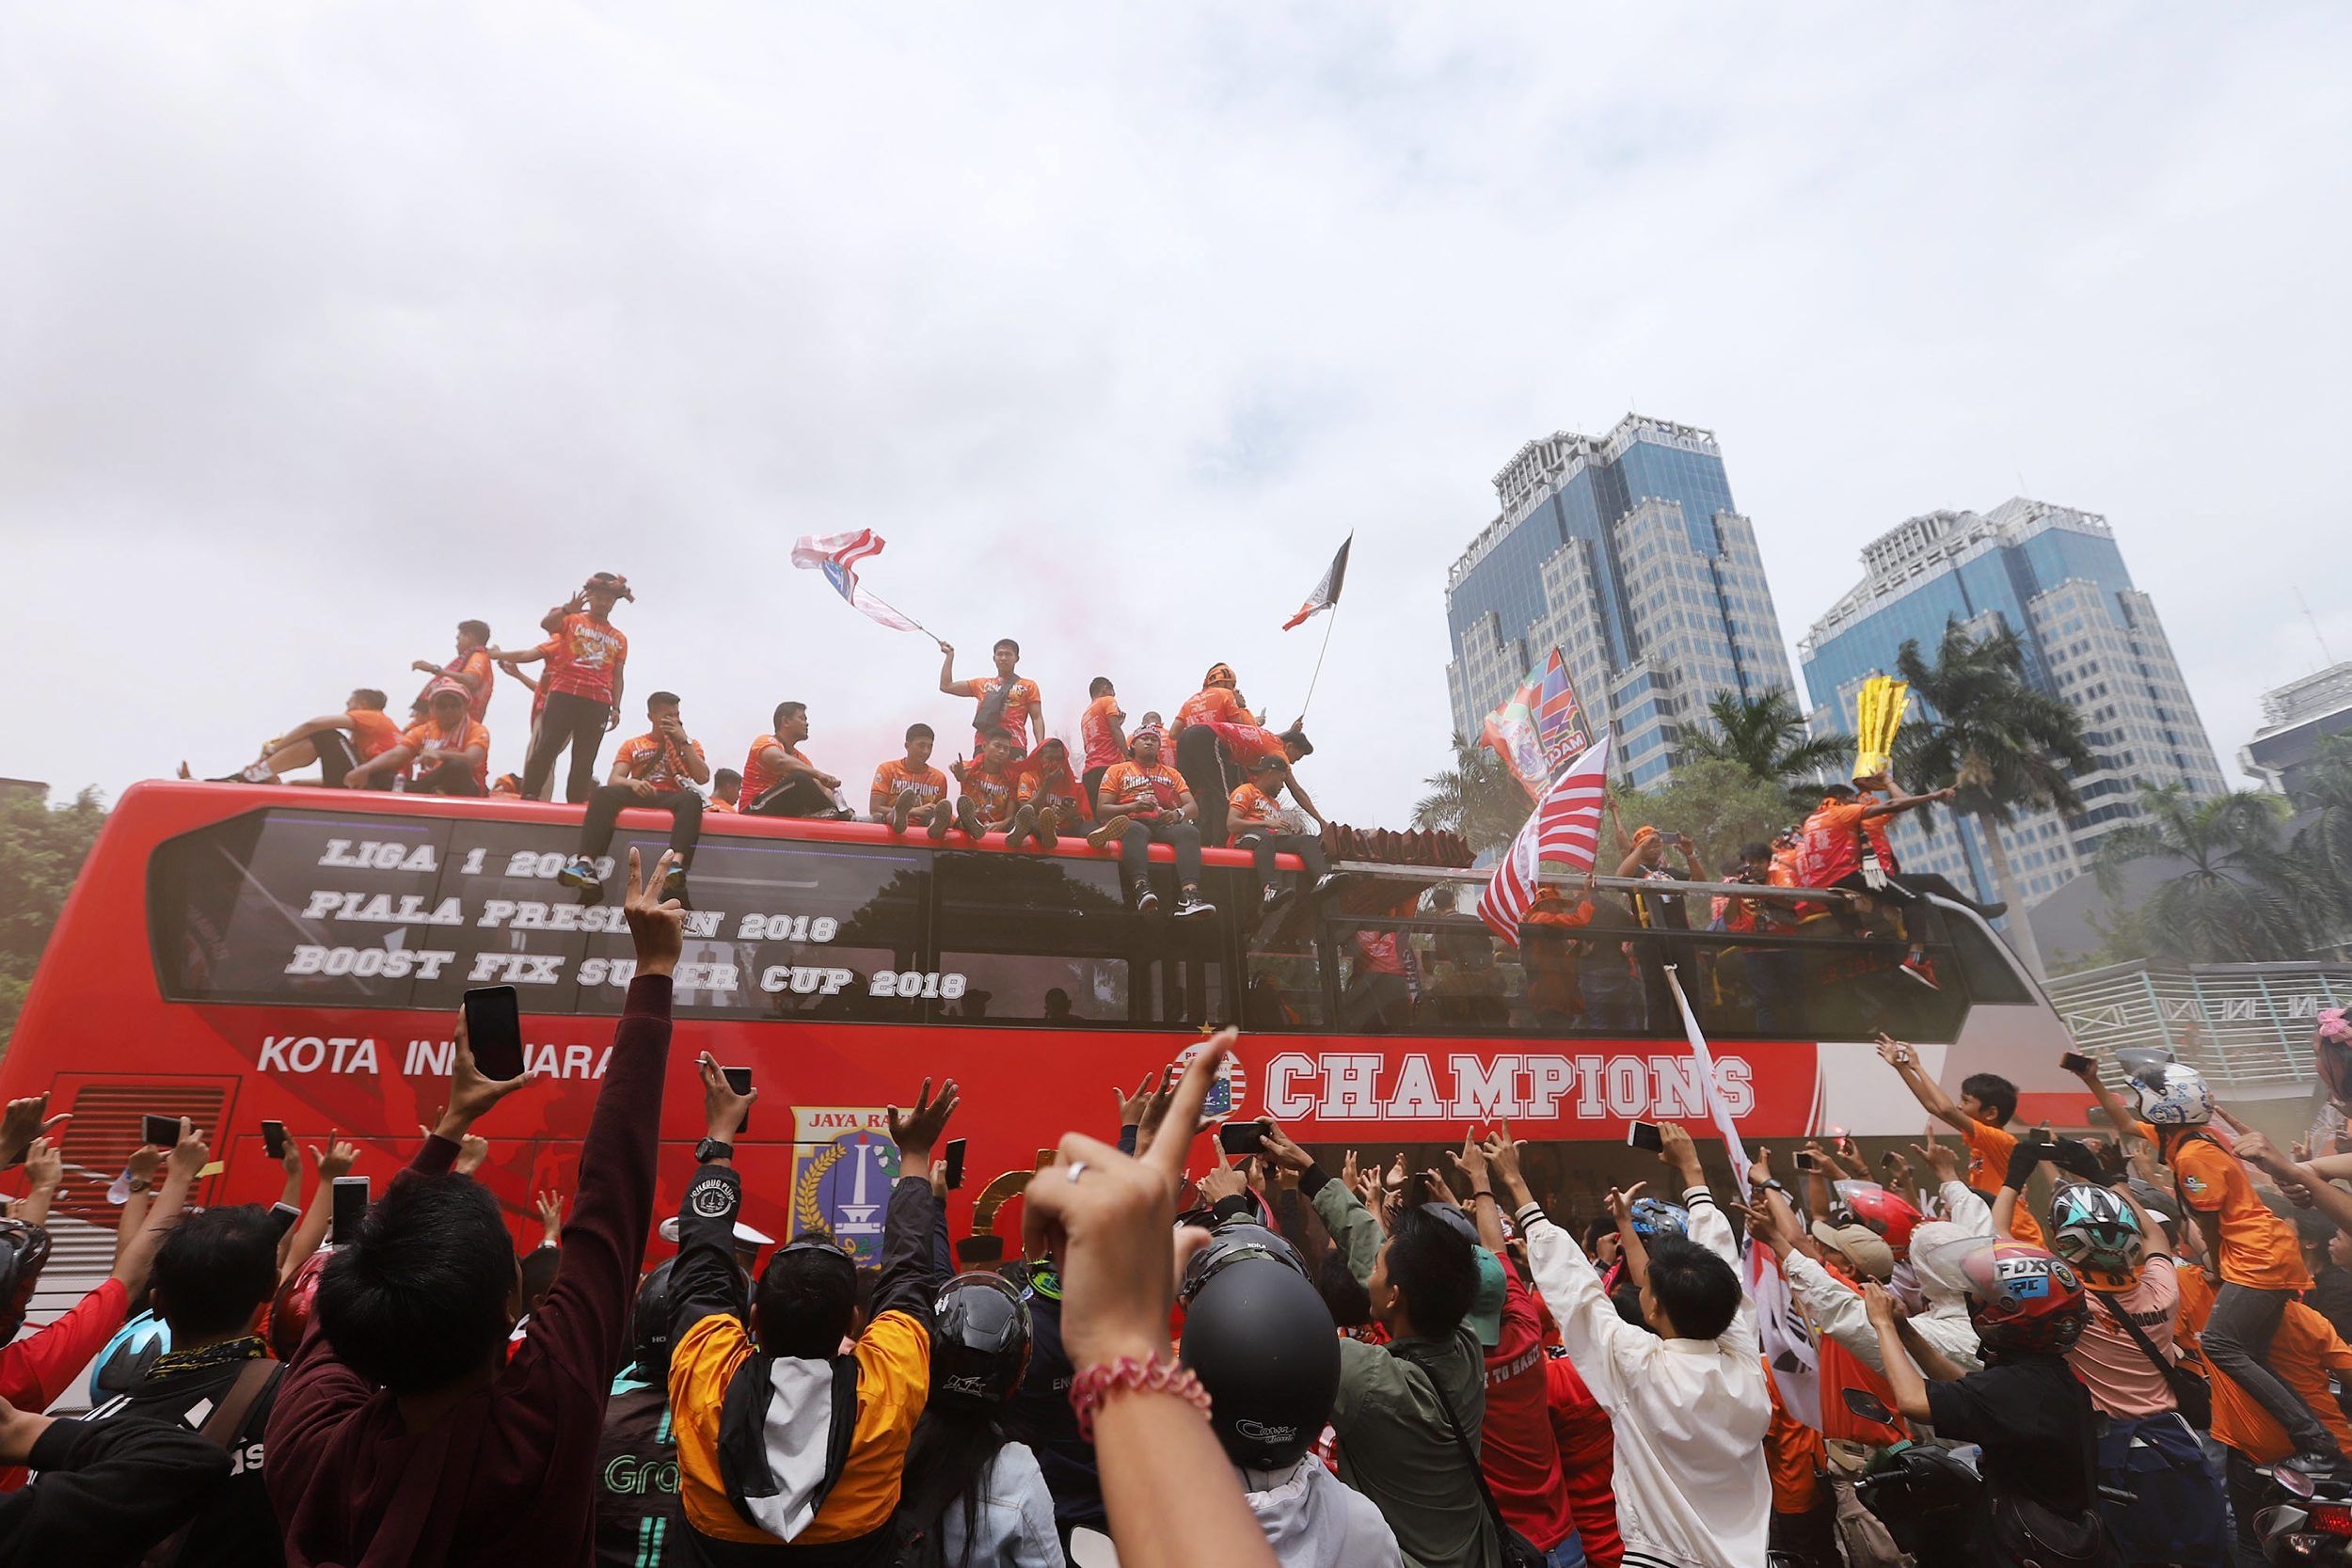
x=1541, y=729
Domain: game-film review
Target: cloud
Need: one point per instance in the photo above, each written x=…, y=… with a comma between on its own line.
x=326, y=328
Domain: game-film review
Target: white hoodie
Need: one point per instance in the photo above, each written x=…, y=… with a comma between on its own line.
x=1313, y=1519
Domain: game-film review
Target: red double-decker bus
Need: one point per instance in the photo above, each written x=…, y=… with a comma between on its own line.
x=236, y=954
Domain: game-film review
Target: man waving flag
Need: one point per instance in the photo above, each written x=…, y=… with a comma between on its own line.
x=836, y=554
x=1326, y=593
x=1564, y=829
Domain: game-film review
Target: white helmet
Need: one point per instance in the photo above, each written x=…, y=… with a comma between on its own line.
x=2171, y=1094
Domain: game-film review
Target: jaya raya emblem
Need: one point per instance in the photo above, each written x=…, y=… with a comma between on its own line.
x=842, y=1168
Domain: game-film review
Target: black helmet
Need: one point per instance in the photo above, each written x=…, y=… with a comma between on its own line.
x=979, y=1341
x=1230, y=1244
x=1262, y=1343
x=23, y=1249
x=649, y=1325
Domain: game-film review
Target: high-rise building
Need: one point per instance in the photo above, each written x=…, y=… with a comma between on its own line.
x=2054, y=576
x=1624, y=552
x=2297, y=716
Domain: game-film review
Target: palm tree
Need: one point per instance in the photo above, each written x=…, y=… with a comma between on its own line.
x=1476, y=798
x=1770, y=738
x=2002, y=743
x=2323, y=845
x=2241, y=897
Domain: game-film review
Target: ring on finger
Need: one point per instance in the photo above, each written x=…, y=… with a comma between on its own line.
x=1074, y=1169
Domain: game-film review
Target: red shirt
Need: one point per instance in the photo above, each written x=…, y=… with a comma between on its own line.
x=1588, y=1460
x=1057, y=790
x=1095, y=728
x=588, y=658
x=475, y=663
x=1516, y=1448
x=652, y=759
x=35, y=1370
x=1247, y=742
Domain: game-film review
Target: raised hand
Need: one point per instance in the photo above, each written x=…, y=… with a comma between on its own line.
x=1883, y=1308
x=473, y=1150
x=656, y=925
x=1471, y=1163
x=191, y=1154
x=1942, y=1158
x=1283, y=1154
x=916, y=1133
x=1396, y=1173
x=1677, y=1151
x=1501, y=1154
x=550, y=1207
x=1894, y=1053
x=26, y=1119
x=1222, y=1183
x=470, y=1093
x=1132, y=1106
x=1348, y=1169
x=724, y=1110
x=1620, y=1204
x=337, y=1161
x=44, y=1166
x=1760, y=1168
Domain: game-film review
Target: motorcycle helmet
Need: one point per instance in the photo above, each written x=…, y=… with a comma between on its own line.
x=2023, y=1297
x=1262, y=1343
x=2171, y=1094
x=1654, y=1217
x=136, y=1346
x=289, y=1311
x=979, y=1341
x=1889, y=1218
x=649, y=1324
x=23, y=1249
x=2095, y=1230
x=1230, y=1244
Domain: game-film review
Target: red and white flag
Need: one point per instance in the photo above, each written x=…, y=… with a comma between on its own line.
x=1564, y=829
x=836, y=554
x=1326, y=593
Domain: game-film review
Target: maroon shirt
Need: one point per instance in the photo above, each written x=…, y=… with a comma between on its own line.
x=1516, y=1448
x=508, y=1474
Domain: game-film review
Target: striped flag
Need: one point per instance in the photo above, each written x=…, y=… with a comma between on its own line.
x=1564, y=829
x=836, y=554
x=1326, y=593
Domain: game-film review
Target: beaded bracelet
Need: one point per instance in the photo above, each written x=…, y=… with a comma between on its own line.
x=1154, y=1376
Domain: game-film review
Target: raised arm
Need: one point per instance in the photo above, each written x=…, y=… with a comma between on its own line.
x=1485, y=1207
x=135, y=1261
x=44, y=1171
x=909, y=1278
x=1353, y=1230
x=1906, y=802
x=1709, y=1227
x=392, y=761
x=1590, y=1328
x=310, y=1231
x=1926, y=1090
x=947, y=683
x=26, y=1119
x=1902, y=1374
x=2110, y=1103
x=2328, y=1199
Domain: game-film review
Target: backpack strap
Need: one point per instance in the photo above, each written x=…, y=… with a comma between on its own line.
x=1454, y=1424
x=221, y=1429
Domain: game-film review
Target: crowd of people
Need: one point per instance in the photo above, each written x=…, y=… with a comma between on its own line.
x=1214, y=773
x=2024, y=1348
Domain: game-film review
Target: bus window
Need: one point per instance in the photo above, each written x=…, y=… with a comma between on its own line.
x=818, y=930
x=1285, y=987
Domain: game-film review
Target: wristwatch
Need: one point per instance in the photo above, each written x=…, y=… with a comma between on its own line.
x=713, y=1149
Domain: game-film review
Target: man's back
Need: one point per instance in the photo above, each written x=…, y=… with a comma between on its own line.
x=1397, y=1447
x=236, y=1528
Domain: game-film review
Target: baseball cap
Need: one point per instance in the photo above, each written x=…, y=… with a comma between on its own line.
x=1861, y=1246
x=1485, y=1313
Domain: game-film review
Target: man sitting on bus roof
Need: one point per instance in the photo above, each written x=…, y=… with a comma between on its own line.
x=1261, y=826
x=405, y=1431
x=726, y=790
x=986, y=801
x=1048, y=797
x=909, y=789
x=337, y=742
x=1147, y=802
x=471, y=668
x=657, y=770
x=451, y=751
x=779, y=781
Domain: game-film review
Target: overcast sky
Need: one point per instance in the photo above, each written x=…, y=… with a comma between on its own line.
x=322, y=327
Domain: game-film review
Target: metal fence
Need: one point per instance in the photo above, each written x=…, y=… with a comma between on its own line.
x=2244, y=1026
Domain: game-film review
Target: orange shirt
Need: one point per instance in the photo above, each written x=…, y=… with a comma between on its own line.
x=547, y=650
x=2304, y=1351
x=652, y=759
x=928, y=783
x=1095, y=727
x=990, y=794
x=1989, y=1148
x=374, y=732
x=1248, y=807
x=1064, y=794
x=1792, y=1454
x=588, y=656
x=1021, y=699
x=717, y=804
x=432, y=744
x=1135, y=790
x=2258, y=1248
x=759, y=775
x=1211, y=702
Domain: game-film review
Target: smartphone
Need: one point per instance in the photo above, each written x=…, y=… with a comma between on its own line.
x=1242, y=1137
x=283, y=1217
x=494, y=1031
x=1806, y=1162
x=351, y=1206
x=2075, y=1061
x=955, y=1163
x=739, y=1079
x=1644, y=1135
x=274, y=1139
x=159, y=1131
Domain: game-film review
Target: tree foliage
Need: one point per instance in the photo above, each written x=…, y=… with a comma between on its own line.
x=1476, y=798
x=1767, y=738
x=2243, y=895
x=42, y=851
x=2004, y=744
x=1722, y=805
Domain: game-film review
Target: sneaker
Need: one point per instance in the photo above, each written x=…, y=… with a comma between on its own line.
x=258, y=773
x=968, y=817
x=2319, y=1464
x=1023, y=825
x=937, y=826
x=1323, y=884
x=581, y=873
x=1048, y=827
x=899, y=809
x=1147, y=902
x=1919, y=969
x=1110, y=831
x=1271, y=895
x=673, y=884
x=1191, y=906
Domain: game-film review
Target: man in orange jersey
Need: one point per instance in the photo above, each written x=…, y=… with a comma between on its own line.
x=1047, y=797
x=987, y=802
x=1146, y=802
x=1260, y=824
x=658, y=770
x=451, y=750
x=1008, y=700
x=1199, y=755
x=910, y=789
x=726, y=790
x=583, y=684
x=1981, y=1116
x=1101, y=731
x=470, y=669
x=779, y=781
x=337, y=742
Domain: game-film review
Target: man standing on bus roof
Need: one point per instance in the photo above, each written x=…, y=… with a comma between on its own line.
x=1006, y=699
x=910, y=789
x=1198, y=757
x=1149, y=804
x=779, y=781
x=1261, y=826
x=1101, y=733
x=583, y=684
x=657, y=770
x=452, y=751
x=337, y=742
x=471, y=668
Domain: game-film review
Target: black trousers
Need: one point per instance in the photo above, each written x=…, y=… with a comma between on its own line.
x=568, y=720
x=1200, y=758
x=1264, y=847
x=1094, y=789
x=798, y=796
x=1135, y=850
x=684, y=806
x=450, y=778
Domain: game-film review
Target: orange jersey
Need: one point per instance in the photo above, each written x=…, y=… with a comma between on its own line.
x=2302, y=1353
x=1061, y=792
x=1098, y=732
x=990, y=794
x=717, y=804
x=1133, y=790
x=475, y=663
x=374, y=732
x=588, y=656
x=760, y=775
x=1021, y=699
x=1211, y=702
x=928, y=783
x=1989, y=1148
x=433, y=744
x=2258, y=1248
x=652, y=759
x=1793, y=1454
x=1251, y=807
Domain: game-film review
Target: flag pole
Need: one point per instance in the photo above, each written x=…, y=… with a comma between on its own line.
x=1330, y=621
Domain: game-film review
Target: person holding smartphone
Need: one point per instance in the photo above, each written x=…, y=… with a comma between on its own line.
x=657, y=770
